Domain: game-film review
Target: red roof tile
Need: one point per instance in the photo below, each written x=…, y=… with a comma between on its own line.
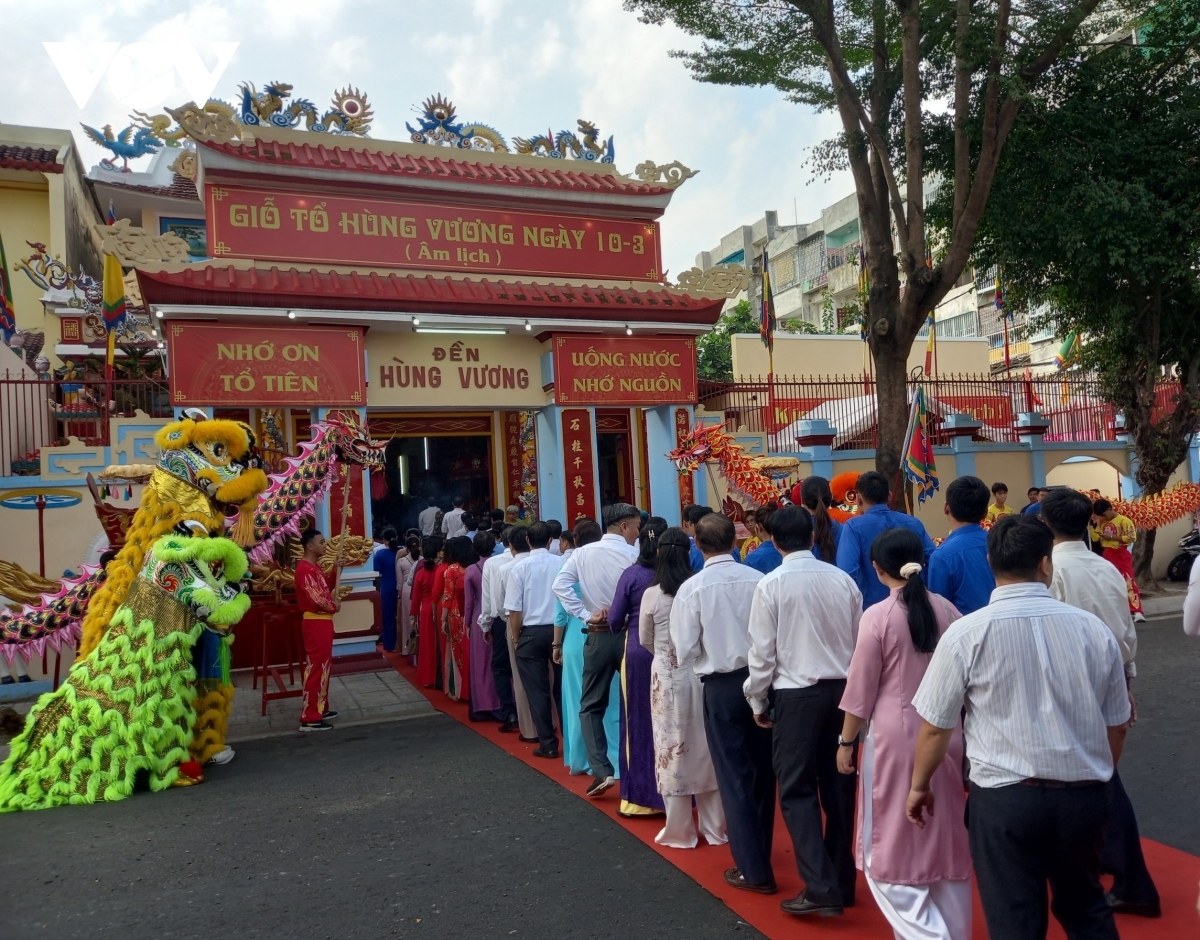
x=29, y=158
x=338, y=156
x=180, y=187
x=274, y=287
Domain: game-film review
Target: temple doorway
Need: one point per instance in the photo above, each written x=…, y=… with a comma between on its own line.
x=442, y=457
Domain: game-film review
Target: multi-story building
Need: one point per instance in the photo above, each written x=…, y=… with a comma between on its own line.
x=815, y=283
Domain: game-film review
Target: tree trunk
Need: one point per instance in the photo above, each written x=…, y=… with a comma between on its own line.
x=891, y=374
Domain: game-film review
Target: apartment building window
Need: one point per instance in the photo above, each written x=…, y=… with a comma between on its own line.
x=812, y=257
x=783, y=269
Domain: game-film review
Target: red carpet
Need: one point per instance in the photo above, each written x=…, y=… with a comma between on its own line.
x=1176, y=873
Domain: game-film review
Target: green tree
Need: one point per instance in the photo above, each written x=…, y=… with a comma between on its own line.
x=1095, y=212
x=878, y=64
x=714, y=351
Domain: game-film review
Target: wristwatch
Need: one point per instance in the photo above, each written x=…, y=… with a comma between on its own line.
x=842, y=743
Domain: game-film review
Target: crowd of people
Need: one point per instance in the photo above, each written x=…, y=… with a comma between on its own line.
x=837, y=663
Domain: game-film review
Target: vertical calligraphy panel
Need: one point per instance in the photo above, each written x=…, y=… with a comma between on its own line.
x=528, y=485
x=683, y=425
x=512, y=458
x=578, y=464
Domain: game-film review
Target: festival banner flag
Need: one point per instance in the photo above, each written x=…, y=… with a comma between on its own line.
x=766, y=329
x=930, y=344
x=111, y=217
x=114, y=306
x=1069, y=351
x=919, y=463
x=8, y=312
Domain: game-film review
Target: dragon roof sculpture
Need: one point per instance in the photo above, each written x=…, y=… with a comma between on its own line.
x=437, y=126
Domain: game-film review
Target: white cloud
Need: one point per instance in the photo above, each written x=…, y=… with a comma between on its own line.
x=521, y=66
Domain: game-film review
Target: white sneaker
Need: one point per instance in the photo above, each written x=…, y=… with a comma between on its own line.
x=1139, y=617
x=601, y=786
x=222, y=757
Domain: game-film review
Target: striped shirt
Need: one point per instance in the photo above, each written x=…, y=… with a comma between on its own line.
x=1041, y=682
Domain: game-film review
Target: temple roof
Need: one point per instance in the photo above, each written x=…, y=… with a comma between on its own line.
x=244, y=285
x=347, y=154
x=180, y=187
x=39, y=159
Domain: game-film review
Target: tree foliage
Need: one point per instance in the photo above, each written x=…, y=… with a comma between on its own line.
x=1096, y=212
x=714, y=351
x=880, y=65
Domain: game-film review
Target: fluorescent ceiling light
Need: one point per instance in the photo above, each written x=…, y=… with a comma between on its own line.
x=434, y=329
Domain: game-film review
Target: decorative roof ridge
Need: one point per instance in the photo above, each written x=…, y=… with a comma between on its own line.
x=152, y=268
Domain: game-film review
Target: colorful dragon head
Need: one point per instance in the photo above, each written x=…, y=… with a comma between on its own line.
x=708, y=442
x=294, y=492
x=203, y=575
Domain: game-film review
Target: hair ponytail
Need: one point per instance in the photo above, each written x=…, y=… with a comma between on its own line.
x=899, y=553
x=817, y=497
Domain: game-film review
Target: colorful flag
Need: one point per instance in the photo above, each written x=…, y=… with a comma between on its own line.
x=114, y=307
x=8, y=313
x=930, y=344
x=766, y=329
x=1069, y=351
x=111, y=218
x=919, y=463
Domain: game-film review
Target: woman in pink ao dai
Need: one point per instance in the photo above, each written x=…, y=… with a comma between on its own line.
x=920, y=878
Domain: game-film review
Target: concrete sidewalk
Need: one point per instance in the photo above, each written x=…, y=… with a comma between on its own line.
x=359, y=698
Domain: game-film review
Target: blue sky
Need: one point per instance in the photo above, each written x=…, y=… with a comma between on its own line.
x=520, y=66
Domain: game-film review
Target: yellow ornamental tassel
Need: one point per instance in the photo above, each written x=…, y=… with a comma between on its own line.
x=243, y=528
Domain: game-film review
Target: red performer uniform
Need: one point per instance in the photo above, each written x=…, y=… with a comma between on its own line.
x=314, y=594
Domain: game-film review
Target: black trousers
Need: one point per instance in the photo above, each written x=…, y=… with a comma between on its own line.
x=533, y=659
x=807, y=724
x=741, y=755
x=502, y=672
x=1023, y=837
x=602, y=653
x=1122, y=853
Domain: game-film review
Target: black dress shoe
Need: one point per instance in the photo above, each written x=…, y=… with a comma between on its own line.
x=508, y=727
x=542, y=752
x=1119, y=906
x=800, y=905
x=521, y=737
x=733, y=876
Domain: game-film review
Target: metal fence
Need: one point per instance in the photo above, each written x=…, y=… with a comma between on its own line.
x=1073, y=406
x=37, y=413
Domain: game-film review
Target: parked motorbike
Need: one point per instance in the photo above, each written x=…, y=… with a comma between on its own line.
x=1181, y=565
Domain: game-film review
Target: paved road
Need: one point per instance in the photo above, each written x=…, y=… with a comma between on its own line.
x=418, y=828
x=1161, y=763
x=421, y=828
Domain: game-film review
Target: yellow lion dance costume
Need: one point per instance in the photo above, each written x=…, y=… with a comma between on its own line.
x=203, y=470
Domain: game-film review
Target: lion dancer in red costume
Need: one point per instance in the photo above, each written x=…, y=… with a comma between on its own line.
x=314, y=594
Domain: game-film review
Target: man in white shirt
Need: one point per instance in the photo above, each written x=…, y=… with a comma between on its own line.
x=710, y=627
x=529, y=601
x=803, y=626
x=597, y=568
x=1090, y=582
x=556, y=531
x=493, y=625
x=427, y=520
x=452, y=526
x=1046, y=711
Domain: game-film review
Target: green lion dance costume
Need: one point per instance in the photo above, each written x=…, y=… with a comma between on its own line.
x=129, y=706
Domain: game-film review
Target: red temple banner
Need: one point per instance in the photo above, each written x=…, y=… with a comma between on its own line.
x=683, y=427
x=378, y=231
x=624, y=370
x=512, y=457
x=578, y=464
x=788, y=411
x=218, y=364
x=994, y=410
